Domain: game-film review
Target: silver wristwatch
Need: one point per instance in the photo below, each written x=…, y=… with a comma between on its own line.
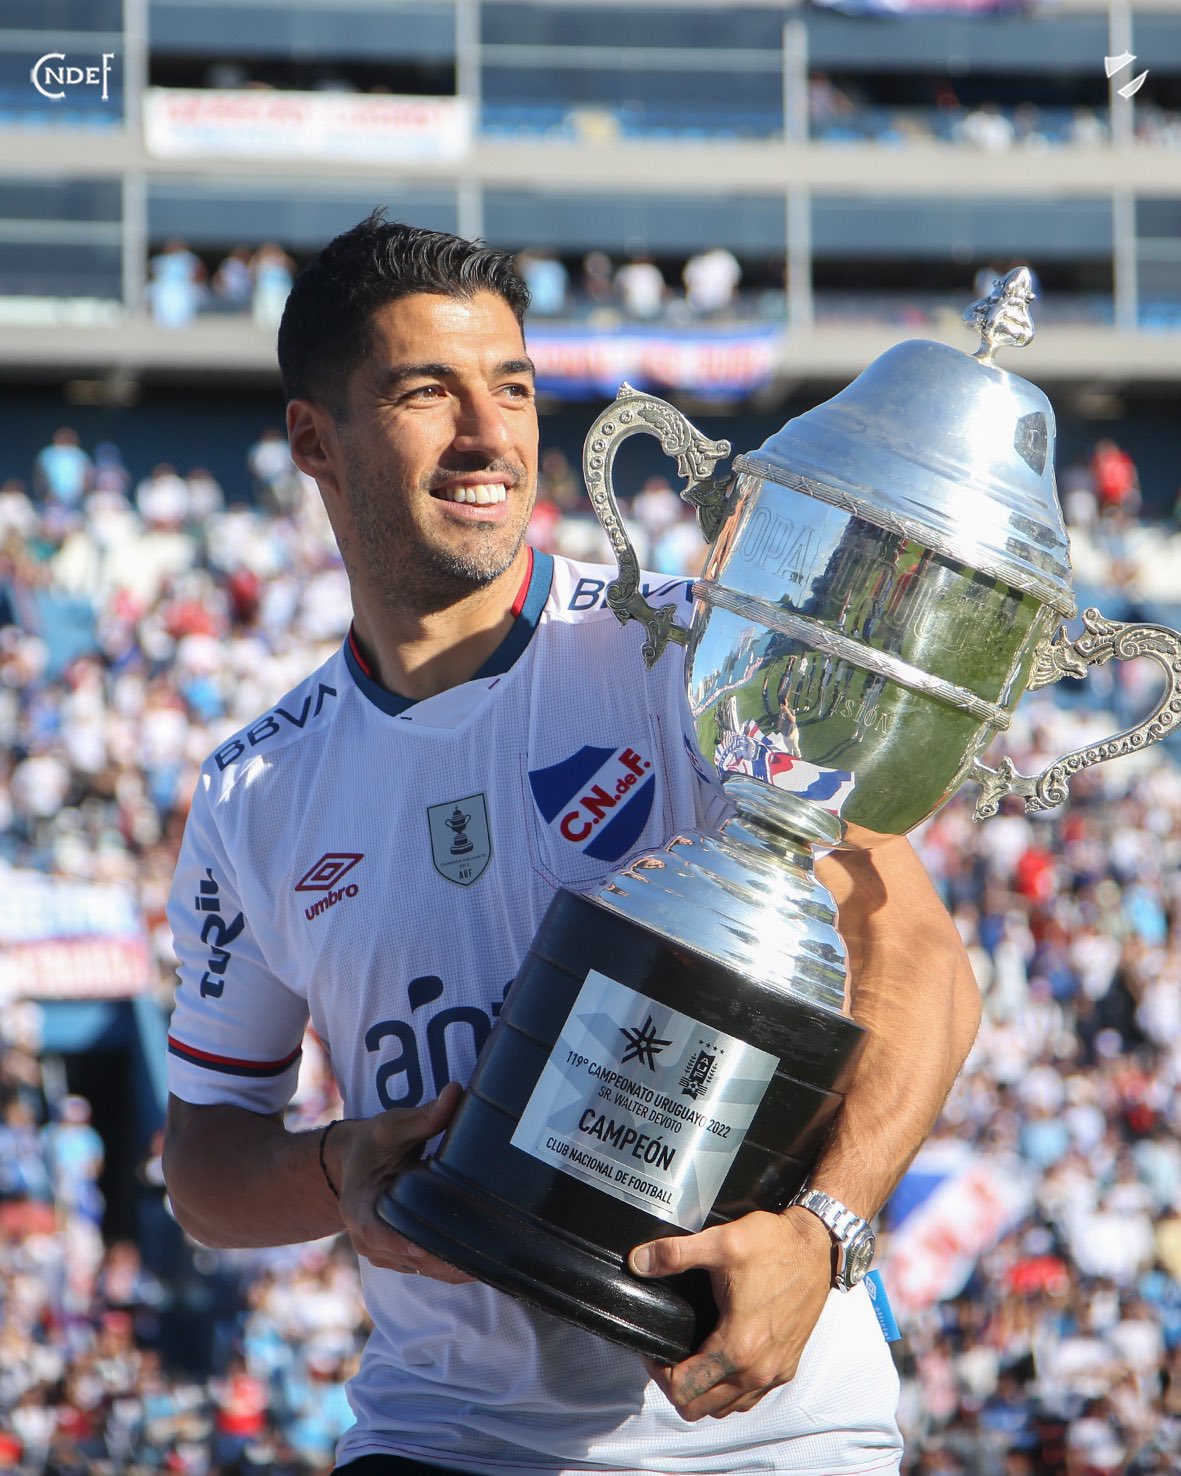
x=852, y=1237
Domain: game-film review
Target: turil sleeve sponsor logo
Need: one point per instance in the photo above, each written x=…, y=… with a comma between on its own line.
x=217, y=933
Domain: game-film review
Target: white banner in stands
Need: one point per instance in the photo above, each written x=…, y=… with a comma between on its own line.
x=931, y=1254
x=65, y=939
x=265, y=123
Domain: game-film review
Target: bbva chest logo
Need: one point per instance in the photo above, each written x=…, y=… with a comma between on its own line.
x=597, y=800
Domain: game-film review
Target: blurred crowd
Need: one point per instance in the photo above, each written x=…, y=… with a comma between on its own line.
x=705, y=287
x=706, y=291
x=841, y=108
x=845, y=110
x=143, y=617
x=247, y=282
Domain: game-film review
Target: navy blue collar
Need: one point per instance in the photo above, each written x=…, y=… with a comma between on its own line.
x=503, y=659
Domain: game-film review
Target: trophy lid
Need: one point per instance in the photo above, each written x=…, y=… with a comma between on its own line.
x=946, y=447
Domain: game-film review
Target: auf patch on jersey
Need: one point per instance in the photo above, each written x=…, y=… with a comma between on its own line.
x=461, y=843
x=598, y=799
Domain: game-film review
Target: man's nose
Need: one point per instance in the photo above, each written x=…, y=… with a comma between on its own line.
x=480, y=425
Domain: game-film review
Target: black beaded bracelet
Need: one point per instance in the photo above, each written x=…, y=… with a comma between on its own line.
x=323, y=1163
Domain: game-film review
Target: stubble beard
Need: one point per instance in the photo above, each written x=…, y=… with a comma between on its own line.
x=402, y=568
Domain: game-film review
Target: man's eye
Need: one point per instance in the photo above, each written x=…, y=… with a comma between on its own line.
x=519, y=391
x=425, y=392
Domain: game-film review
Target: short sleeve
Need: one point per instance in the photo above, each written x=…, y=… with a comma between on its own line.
x=237, y=1030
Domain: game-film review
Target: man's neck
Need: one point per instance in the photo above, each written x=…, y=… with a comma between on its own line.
x=418, y=654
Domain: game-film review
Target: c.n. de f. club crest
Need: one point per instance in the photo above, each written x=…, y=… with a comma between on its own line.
x=461, y=845
x=598, y=800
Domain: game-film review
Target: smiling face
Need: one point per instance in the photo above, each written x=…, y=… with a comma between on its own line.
x=436, y=460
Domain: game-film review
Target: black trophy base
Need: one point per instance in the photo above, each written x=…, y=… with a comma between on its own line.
x=559, y=1243
x=568, y=1276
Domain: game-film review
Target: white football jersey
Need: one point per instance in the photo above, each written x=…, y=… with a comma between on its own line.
x=380, y=867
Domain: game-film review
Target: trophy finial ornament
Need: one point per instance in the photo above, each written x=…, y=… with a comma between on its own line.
x=1003, y=319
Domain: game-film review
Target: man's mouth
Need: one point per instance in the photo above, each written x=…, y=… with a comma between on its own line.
x=481, y=492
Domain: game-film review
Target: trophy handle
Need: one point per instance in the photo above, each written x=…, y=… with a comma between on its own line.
x=1102, y=640
x=629, y=414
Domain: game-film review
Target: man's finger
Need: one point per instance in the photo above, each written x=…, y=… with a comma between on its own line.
x=672, y=1254
x=436, y=1270
x=422, y=1123
x=747, y=1403
x=382, y=1247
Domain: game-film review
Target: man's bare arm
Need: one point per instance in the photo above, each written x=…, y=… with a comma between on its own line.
x=914, y=992
x=912, y=987
x=238, y=1178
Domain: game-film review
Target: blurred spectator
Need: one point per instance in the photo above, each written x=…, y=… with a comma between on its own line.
x=276, y=477
x=711, y=281
x=557, y=480
x=986, y=127
x=75, y=1154
x=1087, y=129
x=110, y=474
x=1117, y=482
x=242, y=1400
x=62, y=471
x=163, y=497
x=24, y=1174
x=1027, y=126
x=273, y=272
x=176, y=285
x=655, y=508
x=205, y=495
x=233, y=282
x=641, y=287
x=598, y=279
x=547, y=280
x=1076, y=489
x=829, y=106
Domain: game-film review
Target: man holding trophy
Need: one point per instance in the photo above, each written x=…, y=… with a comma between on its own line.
x=739, y=1004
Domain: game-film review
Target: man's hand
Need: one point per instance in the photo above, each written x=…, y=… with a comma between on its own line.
x=771, y=1275
x=367, y=1154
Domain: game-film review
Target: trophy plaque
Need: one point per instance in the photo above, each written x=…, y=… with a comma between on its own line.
x=888, y=575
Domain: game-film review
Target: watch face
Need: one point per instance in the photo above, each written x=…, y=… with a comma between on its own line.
x=859, y=1258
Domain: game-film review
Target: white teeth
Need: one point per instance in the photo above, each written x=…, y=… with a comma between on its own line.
x=483, y=493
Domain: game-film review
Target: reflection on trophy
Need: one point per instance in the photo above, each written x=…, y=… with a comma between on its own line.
x=889, y=573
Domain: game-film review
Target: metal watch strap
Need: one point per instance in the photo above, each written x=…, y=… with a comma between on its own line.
x=842, y=1224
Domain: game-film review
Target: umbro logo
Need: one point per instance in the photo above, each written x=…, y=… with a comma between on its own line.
x=324, y=876
x=327, y=871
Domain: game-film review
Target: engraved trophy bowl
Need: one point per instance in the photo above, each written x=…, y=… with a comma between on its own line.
x=888, y=575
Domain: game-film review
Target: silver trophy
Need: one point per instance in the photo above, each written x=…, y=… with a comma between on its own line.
x=888, y=574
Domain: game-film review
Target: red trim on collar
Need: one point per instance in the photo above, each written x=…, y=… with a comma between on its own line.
x=523, y=592
x=518, y=605
x=356, y=650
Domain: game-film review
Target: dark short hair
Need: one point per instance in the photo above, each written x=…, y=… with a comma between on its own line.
x=325, y=332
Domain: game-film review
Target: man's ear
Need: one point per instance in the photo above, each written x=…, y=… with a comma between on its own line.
x=311, y=435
